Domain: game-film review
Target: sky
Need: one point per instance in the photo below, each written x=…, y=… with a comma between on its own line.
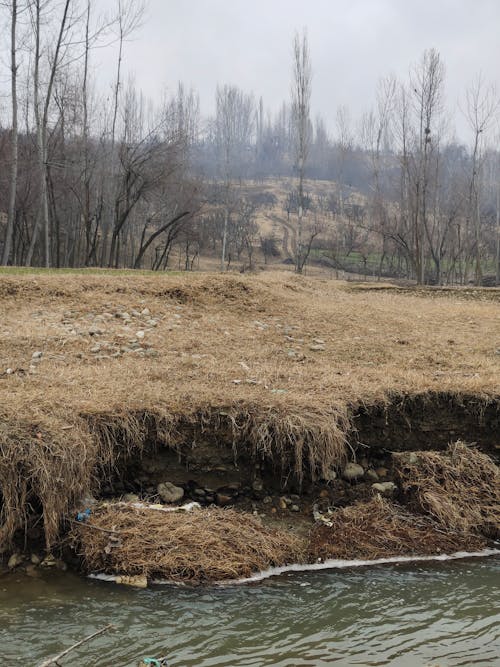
x=352, y=44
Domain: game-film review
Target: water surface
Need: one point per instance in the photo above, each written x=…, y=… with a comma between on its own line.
x=407, y=615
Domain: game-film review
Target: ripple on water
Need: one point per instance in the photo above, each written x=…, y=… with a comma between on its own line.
x=402, y=616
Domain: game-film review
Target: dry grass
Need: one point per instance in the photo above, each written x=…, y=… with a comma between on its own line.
x=459, y=489
x=201, y=546
x=229, y=355
x=382, y=529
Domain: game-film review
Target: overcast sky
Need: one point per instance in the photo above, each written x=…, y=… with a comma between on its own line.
x=352, y=44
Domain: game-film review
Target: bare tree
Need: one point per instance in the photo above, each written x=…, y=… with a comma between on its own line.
x=14, y=135
x=482, y=105
x=301, y=98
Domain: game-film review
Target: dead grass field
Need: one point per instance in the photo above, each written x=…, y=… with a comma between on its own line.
x=277, y=360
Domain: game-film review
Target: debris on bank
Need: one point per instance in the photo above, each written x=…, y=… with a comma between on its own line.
x=380, y=528
x=206, y=545
x=459, y=488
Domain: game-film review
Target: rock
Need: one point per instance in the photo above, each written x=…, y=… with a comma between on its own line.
x=170, y=493
x=145, y=312
x=35, y=559
x=295, y=508
x=95, y=331
x=331, y=475
x=37, y=355
x=385, y=488
x=282, y=504
x=140, y=335
x=382, y=472
x=95, y=349
x=318, y=341
x=258, y=485
x=267, y=500
x=371, y=475
x=138, y=581
x=324, y=493
x=152, y=323
x=130, y=498
x=353, y=471
x=200, y=492
x=317, y=348
x=14, y=561
x=223, y=499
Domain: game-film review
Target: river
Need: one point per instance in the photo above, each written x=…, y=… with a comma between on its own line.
x=406, y=615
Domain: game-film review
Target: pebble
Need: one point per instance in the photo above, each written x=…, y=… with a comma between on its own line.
x=170, y=493
x=295, y=508
x=37, y=355
x=282, y=504
x=14, y=561
x=353, y=471
x=371, y=475
x=381, y=471
x=145, y=312
x=317, y=348
x=223, y=499
x=138, y=581
x=385, y=488
x=140, y=334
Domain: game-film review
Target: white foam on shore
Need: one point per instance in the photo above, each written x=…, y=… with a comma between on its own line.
x=330, y=564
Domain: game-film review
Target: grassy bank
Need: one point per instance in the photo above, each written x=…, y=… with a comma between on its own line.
x=93, y=367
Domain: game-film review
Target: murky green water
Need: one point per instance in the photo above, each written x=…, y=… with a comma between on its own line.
x=401, y=615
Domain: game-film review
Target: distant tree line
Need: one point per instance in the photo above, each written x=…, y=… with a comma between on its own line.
x=117, y=181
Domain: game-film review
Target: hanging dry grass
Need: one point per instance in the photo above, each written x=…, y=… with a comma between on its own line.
x=201, y=546
x=382, y=529
x=459, y=488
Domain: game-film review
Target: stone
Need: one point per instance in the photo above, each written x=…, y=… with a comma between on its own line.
x=324, y=493
x=130, y=498
x=137, y=581
x=330, y=475
x=95, y=349
x=200, y=492
x=371, y=475
x=382, y=472
x=145, y=312
x=295, y=508
x=95, y=331
x=282, y=504
x=385, y=488
x=353, y=471
x=140, y=335
x=317, y=348
x=223, y=499
x=257, y=485
x=318, y=341
x=35, y=559
x=267, y=500
x=14, y=561
x=170, y=493
x=152, y=323
x=37, y=355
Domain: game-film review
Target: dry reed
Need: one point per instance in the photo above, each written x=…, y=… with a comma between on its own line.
x=200, y=546
x=460, y=488
x=382, y=529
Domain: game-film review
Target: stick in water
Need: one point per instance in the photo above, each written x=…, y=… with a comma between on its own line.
x=53, y=661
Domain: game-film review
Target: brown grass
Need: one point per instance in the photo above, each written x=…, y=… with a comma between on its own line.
x=230, y=356
x=459, y=489
x=201, y=546
x=382, y=529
